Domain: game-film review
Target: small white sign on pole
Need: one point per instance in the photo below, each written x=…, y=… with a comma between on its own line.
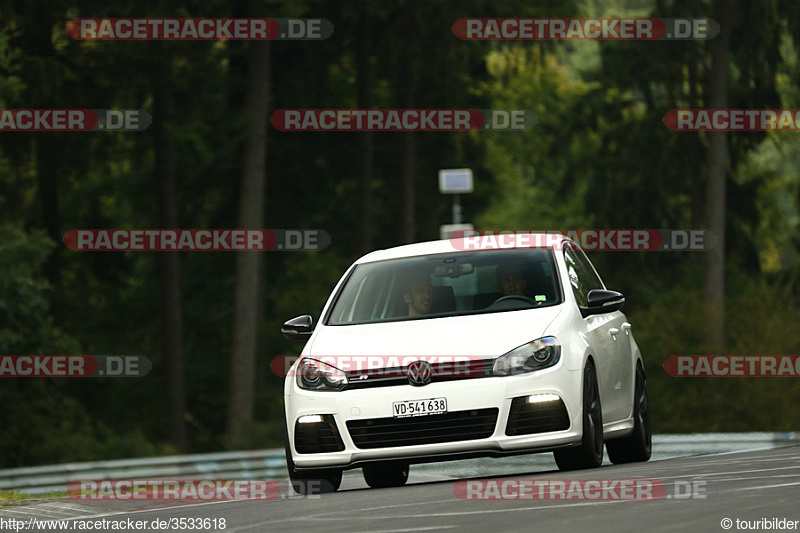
x=455, y=181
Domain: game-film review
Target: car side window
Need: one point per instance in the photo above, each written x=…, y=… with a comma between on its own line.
x=582, y=276
x=576, y=277
x=593, y=281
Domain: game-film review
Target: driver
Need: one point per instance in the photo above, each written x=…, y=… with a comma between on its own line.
x=510, y=280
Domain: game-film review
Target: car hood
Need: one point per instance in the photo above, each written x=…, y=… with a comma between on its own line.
x=488, y=335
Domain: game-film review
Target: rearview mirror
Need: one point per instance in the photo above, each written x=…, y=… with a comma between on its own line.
x=453, y=270
x=298, y=329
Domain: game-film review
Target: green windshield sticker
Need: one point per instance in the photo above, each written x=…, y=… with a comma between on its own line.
x=540, y=298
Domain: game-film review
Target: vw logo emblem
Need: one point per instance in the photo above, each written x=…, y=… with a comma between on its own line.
x=419, y=373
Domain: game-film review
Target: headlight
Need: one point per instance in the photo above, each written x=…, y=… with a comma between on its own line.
x=535, y=355
x=316, y=375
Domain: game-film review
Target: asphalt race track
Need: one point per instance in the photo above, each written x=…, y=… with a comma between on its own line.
x=752, y=485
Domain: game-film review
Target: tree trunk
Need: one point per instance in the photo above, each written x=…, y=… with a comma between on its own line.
x=717, y=168
x=48, y=155
x=409, y=195
x=48, y=150
x=366, y=146
x=249, y=265
x=696, y=176
x=169, y=262
x=409, y=152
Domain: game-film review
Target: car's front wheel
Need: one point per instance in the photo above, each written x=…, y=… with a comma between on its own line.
x=311, y=481
x=638, y=446
x=590, y=452
x=389, y=474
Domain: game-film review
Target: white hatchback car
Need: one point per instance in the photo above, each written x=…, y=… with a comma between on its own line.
x=434, y=351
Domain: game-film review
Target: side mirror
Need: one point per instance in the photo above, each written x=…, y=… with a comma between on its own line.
x=298, y=329
x=602, y=301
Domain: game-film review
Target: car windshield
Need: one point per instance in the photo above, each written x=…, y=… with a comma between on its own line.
x=446, y=285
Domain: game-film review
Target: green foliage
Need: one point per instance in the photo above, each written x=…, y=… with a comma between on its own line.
x=10, y=83
x=763, y=315
x=12, y=496
x=58, y=428
x=25, y=324
x=535, y=182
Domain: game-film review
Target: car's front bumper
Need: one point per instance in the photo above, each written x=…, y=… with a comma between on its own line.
x=465, y=396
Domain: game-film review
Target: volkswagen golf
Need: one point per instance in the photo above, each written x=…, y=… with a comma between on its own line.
x=445, y=350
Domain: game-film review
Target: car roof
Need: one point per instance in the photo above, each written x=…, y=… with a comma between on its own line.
x=456, y=245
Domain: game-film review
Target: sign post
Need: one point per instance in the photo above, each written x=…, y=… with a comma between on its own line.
x=455, y=181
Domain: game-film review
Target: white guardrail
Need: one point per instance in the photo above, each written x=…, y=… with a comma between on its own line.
x=260, y=464
x=271, y=464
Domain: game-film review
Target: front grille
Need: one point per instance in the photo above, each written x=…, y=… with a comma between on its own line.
x=391, y=377
x=432, y=429
x=527, y=418
x=317, y=437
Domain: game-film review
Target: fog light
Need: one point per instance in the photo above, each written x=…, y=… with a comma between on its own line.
x=542, y=398
x=309, y=419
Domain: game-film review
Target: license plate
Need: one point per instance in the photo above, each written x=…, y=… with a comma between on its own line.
x=431, y=406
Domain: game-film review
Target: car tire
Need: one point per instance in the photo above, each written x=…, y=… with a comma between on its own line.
x=307, y=482
x=589, y=454
x=639, y=445
x=389, y=474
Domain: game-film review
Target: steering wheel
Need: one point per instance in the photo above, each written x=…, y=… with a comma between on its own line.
x=519, y=297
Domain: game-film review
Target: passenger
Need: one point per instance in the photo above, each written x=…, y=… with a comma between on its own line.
x=419, y=296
